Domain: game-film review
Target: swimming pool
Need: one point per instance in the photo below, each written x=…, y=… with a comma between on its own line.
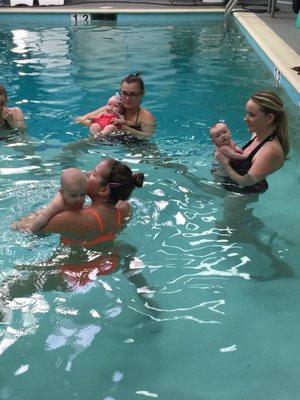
x=217, y=324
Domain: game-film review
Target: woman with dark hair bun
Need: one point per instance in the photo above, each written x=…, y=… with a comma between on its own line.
x=139, y=121
x=109, y=186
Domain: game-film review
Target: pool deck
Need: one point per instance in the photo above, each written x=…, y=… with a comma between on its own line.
x=278, y=37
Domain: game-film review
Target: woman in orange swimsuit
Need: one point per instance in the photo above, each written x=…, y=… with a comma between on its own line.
x=140, y=122
x=109, y=186
x=95, y=228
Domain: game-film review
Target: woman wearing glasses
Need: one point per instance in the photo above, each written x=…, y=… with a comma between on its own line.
x=139, y=121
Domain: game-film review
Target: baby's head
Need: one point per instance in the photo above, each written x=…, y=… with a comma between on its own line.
x=73, y=187
x=220, y=134
x=115, y=103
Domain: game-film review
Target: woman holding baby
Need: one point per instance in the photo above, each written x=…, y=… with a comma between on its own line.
x=88, y=233
x=265, y=153
x=109, y=186
x=135, y=120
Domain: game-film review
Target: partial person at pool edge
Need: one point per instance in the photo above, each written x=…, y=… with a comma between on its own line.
x=10, y=118
x=140, y=121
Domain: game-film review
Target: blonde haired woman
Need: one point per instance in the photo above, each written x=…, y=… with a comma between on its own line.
x=266, y=151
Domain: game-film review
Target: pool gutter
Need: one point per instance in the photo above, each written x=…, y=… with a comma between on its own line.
x=276, y=54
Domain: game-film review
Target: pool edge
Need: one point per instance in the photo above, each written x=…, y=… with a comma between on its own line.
x=274, y=52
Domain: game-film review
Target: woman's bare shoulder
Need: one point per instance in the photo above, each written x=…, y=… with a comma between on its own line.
x=146, y=116
x=269, y=159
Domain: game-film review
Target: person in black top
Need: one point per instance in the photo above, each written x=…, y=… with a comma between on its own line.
x=246, y=179
x=266, y=151
x=140, y=123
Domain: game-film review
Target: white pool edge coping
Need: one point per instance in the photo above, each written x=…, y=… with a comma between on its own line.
x=106, y=10
x=276, y=53
x=275, y=49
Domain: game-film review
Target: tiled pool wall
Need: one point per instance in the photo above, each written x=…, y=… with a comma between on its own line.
x=161, y=17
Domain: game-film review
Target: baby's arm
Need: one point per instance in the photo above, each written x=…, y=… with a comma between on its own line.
x=46, y=213
x=231, y=153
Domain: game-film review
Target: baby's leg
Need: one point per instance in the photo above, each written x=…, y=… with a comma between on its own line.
x=95, y=129
x=108, y=129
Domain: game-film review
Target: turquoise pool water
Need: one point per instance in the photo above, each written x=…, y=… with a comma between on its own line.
x=206, y=309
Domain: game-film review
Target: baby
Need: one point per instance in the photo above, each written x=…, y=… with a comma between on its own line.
x=71, y=196
x=108, y=121
x=221, y=138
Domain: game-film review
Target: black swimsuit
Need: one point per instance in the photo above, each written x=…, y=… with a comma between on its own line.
x=125, y=137
x=136, y=125
x=243, y=166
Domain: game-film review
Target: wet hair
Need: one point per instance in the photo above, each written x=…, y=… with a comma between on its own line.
x=135, y=78
x=270, y=103
x=3, y=92
x=122, y=181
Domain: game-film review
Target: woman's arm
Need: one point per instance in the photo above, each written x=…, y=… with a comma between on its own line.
x=23, y=224
x=37, y=219
x=84, y=119
x=267, y=161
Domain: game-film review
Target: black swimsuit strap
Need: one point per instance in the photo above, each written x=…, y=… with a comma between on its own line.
x=259, y=146
x=248, y=143
x=137, y=116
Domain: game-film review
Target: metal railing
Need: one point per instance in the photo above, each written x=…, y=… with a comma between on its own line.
x=228, y=9
x=271, y=6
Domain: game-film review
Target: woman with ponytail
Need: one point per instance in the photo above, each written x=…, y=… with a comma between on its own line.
x=267, y=120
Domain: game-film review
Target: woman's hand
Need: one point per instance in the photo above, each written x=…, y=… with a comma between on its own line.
x=119, y=121
x=8, y=116
x=83, y=120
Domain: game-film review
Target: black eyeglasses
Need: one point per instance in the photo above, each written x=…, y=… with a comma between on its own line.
x=131, y=95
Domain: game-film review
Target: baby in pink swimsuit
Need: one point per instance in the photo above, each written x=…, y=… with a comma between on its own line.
x=104, y=123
